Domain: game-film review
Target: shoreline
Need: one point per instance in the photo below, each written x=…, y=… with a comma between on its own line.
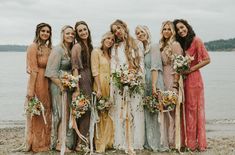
x=220, y=138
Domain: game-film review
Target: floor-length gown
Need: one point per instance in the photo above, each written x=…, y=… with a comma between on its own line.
x=104, y=136
x=85, y=87
x=38, y=133
x=128, y=116
x=152, y=61
x=58, y=62
x=194, y=99
x=171, y=124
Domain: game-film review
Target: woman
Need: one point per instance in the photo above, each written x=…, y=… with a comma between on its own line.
x=128, y=114
x=152, y=63
x=170, y=121
x=100, y=65
x=193, y=85
x=38, y=133
x=81, y=64
x=59, y=60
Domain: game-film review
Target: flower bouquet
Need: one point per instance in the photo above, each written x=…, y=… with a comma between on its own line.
x=168, y=100
x=103, y=104
x=181, y=63
x=68, y=80
x=35, y=107
x=131, y=78
x=151, y=103
x=79, y=106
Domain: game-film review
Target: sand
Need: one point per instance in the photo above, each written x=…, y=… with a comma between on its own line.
x=220, y=136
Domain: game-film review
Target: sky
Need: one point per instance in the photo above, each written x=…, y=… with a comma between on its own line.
x=210, y=19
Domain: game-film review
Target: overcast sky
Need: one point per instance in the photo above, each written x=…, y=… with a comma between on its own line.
x=211, y=19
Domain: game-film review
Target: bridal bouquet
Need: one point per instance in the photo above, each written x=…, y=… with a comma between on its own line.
x=131, y=78
x=34, y=107
x=168, y=100
x=181, y=63
x=68, y=80
x=79, y=106
x=103, y=104
x=151, y=103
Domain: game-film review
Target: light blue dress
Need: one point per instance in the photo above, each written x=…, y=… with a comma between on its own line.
x=152, y=61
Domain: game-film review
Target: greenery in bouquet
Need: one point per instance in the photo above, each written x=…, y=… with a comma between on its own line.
x=103, y=104
x=168, y=100
x=34, y=107
x=68, y=80
x=151, y=103
x=131, y=78
x=80, y=105
x=181, y=63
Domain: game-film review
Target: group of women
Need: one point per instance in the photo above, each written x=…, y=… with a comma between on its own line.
x=127, y=125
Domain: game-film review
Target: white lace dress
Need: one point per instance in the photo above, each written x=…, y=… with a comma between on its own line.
x=128, y=117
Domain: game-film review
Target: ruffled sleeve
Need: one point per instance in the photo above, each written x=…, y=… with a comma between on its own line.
x=95, y=62
x=76, y=57
x=53, y=64
x=156, y=62
x=201, y=50
x=31, y=61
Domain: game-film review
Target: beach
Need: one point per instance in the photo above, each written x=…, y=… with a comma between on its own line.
x=219, y=89
x=220, y=138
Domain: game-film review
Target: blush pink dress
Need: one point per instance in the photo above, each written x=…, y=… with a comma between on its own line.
x=194, y=100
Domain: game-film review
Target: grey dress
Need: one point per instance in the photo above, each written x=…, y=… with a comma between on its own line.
x=152, y=61
x=56, y=62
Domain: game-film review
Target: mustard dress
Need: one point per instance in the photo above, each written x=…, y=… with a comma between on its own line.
x=104, y=135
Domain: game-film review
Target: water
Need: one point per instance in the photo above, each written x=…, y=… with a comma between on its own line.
x=219, y=81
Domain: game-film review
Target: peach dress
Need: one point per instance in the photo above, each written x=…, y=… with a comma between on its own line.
x=38, y=134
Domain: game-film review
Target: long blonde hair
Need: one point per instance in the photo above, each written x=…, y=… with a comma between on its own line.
x=147, y=32
x=165, y=44
x=131, y=48
x=62, y=40
x=105, y=36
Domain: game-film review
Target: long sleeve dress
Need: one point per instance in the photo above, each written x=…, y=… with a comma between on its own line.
x=194, y=99
x=129, y=116
x=171, y=120
x=38, y=134
x=59, y=62
x=100, y=66
x=152, y=61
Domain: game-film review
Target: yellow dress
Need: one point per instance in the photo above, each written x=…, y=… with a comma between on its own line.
x=100, y=66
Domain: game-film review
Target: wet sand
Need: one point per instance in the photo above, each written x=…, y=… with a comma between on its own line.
x=220, y=136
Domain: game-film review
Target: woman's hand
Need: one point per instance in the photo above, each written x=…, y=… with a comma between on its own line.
x=75, y=94
x=61, y=88
x=98, y=93
x=154, y=90
x=29, y=96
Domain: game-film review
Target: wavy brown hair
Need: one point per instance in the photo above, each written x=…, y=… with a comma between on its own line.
x=85, y=53
x=37, y=38
x=186, y=41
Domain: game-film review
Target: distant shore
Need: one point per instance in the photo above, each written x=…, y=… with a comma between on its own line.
x=220, y=136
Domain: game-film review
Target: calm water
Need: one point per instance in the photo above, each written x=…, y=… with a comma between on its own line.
x=219, y=80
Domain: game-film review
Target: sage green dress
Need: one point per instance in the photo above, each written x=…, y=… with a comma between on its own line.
x=59, y=62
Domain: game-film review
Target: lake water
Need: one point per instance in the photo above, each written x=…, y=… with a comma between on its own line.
x=219, y=81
